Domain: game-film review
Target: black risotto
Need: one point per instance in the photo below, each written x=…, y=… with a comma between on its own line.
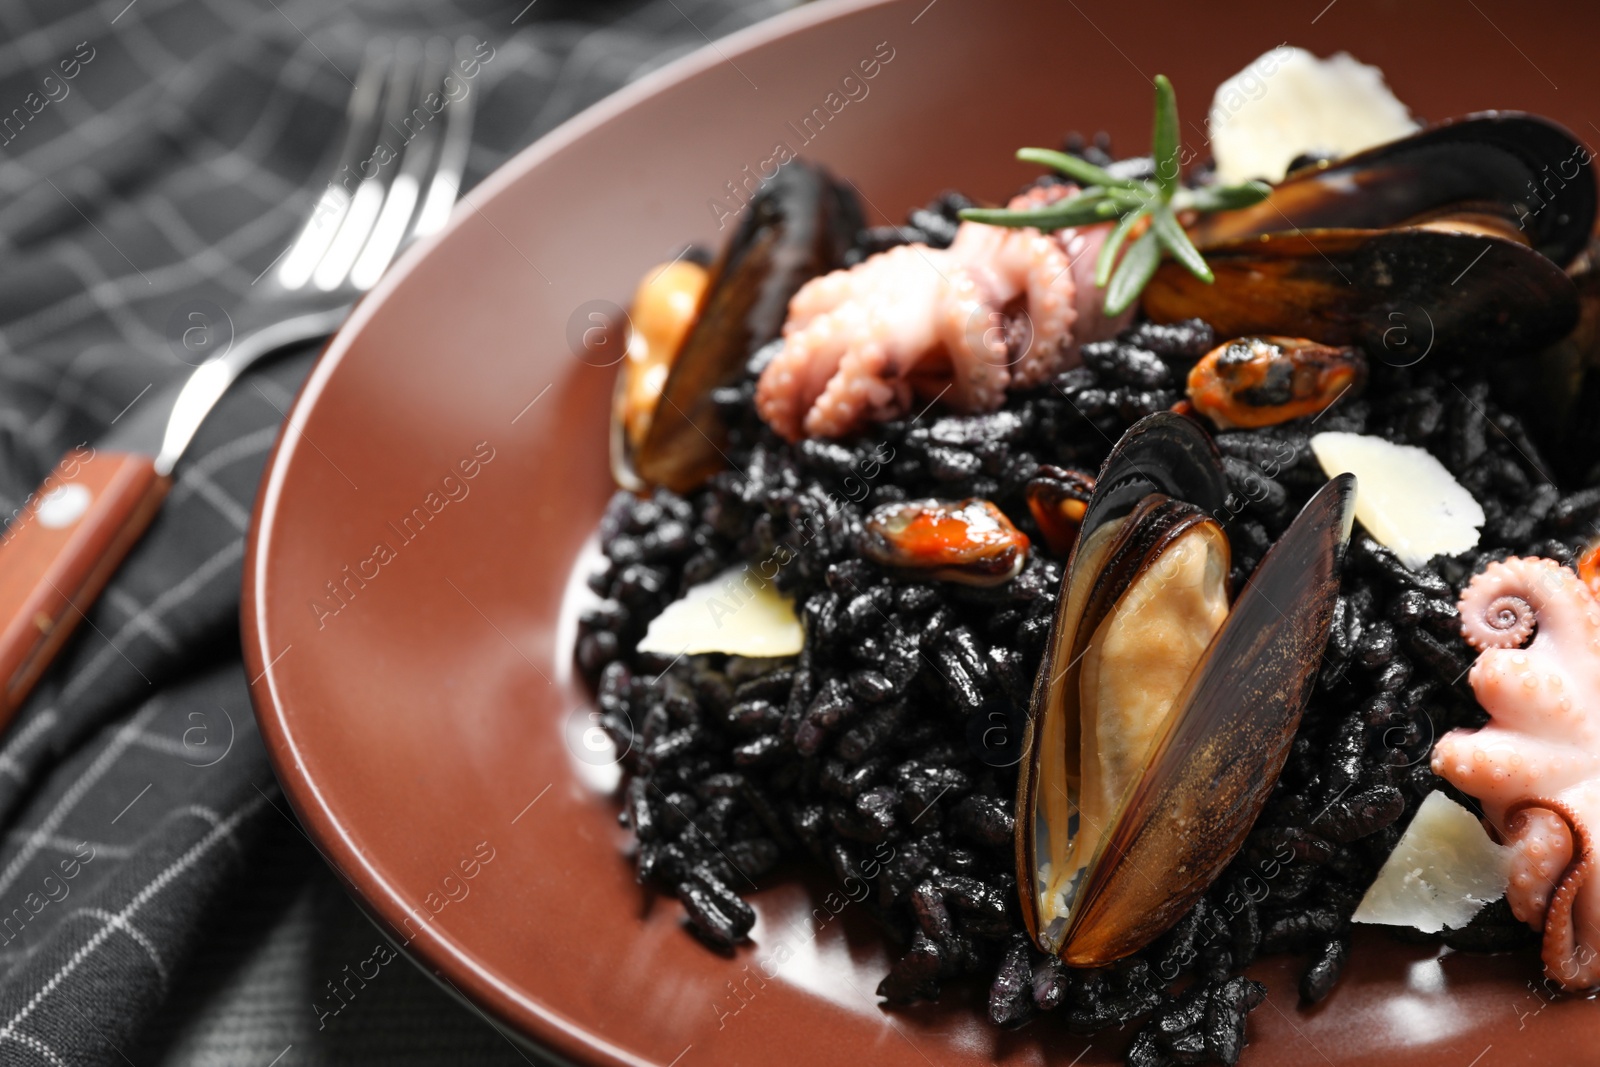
x=896, y=731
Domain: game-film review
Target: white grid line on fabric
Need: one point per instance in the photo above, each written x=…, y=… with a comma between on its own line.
x=115, y=747
x=251, y=444
x=200, y=811
x=208, y=570
x=35, y=727
x=108, y=296
x=117, y=922
x=225, y=505
x=72, y=392
x=196, y=251
x=29, y=1041
x=167, y=746
x=130, y=608
x=163, y=281
x=62, y=843
x=160, y=882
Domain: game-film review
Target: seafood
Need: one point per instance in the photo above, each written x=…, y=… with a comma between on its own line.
x=1589, y=567
x=1536, y=766
x=1454, y=234
x=869, y=707
x=798, y=226
x=994, y=311
x=1261, y=381
x=971, y=541
x=664, y=308
x=1160, y=717
x=1057, y=499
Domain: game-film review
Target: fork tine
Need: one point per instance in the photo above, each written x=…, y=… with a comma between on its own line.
x=452, y=158
x=360, y=125
x=421, y=131
x=341, y=255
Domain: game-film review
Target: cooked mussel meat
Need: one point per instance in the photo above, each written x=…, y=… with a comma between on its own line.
x=1161, y=718
x=1057, y=499
x=969, y=541
x=799, y=225
x=1261, y=381
x=664, y=307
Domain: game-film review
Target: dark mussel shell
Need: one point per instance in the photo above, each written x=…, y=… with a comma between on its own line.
x=1225, y=738
x=798, y=226
x=1398, y=293
x=1216, y=766
x=1527, y=170
x=1558, y=391
x=1161, y=453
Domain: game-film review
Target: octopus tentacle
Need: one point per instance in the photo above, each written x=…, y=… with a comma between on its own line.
x=1536, y=765
x=860, y=344
x=1500, y=606
x=1506, y=622
x=1562, y=958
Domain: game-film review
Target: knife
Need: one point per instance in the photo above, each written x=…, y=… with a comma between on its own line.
x=78, y=526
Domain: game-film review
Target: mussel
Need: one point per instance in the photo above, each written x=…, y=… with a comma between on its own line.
x=1161, y=718
x=1454, y=237
x=1057, y=499
x=799, y=225
x=1262, y=381
x=969, y=541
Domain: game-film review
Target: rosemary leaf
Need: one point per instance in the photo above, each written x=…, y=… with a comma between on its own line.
x=1074, y=167
x=1132, y=274
x=1075, y=211
x=1221, y=197
x=1113, y=244
x=1165, y=139
x=1164, y=224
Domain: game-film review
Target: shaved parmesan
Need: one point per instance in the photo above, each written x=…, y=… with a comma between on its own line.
x=1288, y=103
x=1443, y=871
x=737, y=612
x=1404, y=497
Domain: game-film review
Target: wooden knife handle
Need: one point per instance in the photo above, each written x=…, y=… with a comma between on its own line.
x=58, y=554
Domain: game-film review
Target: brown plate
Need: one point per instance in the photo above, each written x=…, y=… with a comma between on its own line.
x=421, y=536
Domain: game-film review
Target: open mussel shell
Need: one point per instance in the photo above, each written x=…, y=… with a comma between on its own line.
x=1398, y=293
x=799, y=225
x=1214, y=769
x=1522, y=168
x=1162, y=455
x=1108, y=861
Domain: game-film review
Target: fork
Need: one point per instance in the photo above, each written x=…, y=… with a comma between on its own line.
x=395, y=176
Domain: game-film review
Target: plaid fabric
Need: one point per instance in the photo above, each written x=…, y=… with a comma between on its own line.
x=157, y=902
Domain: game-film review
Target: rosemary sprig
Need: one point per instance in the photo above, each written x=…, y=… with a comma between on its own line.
x=1132, y=202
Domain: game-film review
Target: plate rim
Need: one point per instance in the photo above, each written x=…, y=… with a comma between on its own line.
x=380, y=901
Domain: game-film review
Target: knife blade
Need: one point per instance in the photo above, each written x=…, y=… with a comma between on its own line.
x=75, y=529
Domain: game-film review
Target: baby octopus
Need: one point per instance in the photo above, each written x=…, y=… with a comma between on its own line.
x=861, y=345
x=1536, y=765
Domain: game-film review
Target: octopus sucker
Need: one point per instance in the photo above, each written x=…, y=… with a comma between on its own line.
x=997, y=310
x=1536, y=766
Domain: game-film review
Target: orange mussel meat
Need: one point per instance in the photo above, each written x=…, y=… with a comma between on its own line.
x=969, y=541
x=1251, y=382
x=1057, y=498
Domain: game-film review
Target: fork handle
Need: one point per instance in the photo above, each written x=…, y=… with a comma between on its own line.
x=58, y=554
